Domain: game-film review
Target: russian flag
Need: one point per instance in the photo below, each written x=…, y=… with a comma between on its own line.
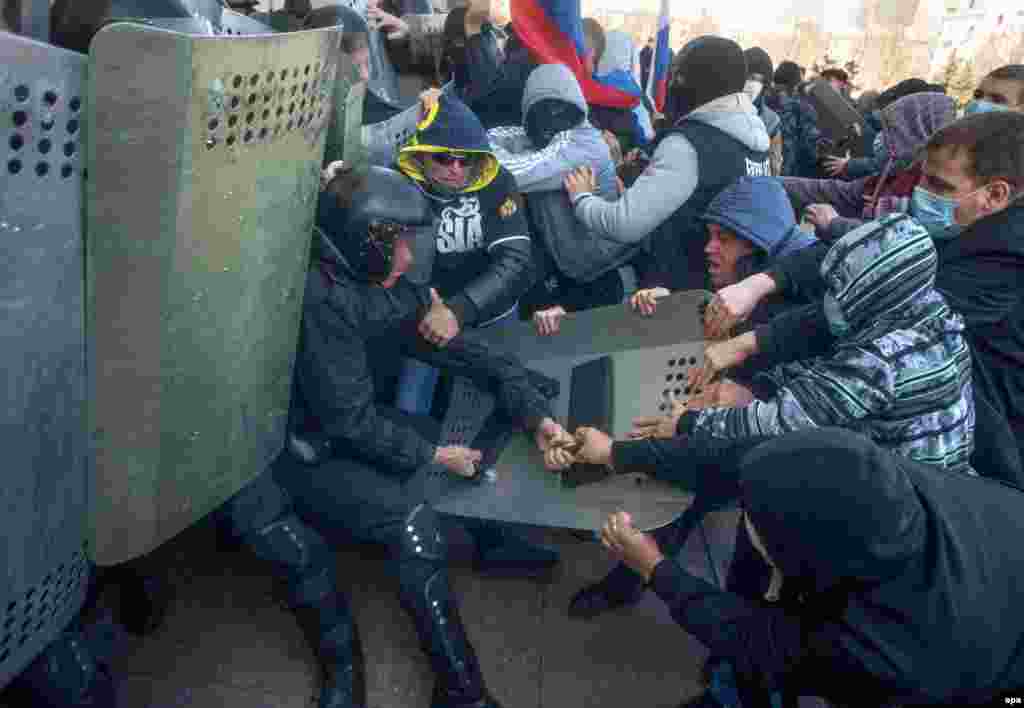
x=657, y=87
x=553, y=32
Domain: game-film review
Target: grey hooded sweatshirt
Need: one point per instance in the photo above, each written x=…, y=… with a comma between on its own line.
x=543, y=170
x=578, y=253
x=672, y=175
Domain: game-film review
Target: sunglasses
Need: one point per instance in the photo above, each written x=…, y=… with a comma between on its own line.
x=447, y=159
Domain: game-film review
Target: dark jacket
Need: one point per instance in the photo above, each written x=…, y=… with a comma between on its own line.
x=800, y=134
x=484, y=260
x=981, y=275
x=492, y=82
x=334, y=376
x=900, y=581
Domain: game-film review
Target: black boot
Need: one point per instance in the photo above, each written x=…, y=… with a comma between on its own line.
x=302, y=556
x=503, y=552
x=427, y=596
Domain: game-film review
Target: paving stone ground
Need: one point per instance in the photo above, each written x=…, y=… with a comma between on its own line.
x=227, y=643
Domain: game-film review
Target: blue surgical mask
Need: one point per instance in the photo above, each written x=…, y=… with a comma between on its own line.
x=980, y=106
x=837, y=323
x=937, y=214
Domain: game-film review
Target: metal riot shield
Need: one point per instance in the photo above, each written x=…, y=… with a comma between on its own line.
x=838, y=119
x=203, y=175
x=383, y=140
x=44, y=494
x=609, y=354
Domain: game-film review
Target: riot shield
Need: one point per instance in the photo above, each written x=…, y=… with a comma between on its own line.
x=612, y=364
x=42, y=423
x=383, y=140
x=837, y=118
x=344, y=136
x=203, y=175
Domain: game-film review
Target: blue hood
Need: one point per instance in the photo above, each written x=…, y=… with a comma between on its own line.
x=757, y=209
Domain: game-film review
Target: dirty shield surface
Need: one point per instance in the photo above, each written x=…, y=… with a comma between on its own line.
x=642, y=361
x=203, y=176
x=43, y=498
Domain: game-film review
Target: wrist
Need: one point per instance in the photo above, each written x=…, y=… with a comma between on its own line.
x=748, y=342
x=764, y=284
x=648, y=572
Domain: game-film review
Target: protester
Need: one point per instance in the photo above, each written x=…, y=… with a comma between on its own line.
x=718, y=139
x=835, y=207
x=799, y=123
x=877, y=577
x=749, y=224
x=617, y=69
x=857, y=167
x=484, y=260
x=759, y=73
x=579, y=270
x=489, y=81
x=1001, y=90
x=969, y=199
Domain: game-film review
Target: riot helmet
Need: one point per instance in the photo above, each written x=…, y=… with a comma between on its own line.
x=375, y=220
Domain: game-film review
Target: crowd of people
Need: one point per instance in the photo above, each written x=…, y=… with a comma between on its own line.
x=862, y=400
x=863, y=387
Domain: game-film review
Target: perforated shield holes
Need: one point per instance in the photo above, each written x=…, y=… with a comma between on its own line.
x=37, y=110
x=468, y=410
x=54, y=600
x=266, y=96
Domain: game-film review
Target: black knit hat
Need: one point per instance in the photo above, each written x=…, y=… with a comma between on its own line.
x=707, y=68
x=788, y=74
x=758, y=62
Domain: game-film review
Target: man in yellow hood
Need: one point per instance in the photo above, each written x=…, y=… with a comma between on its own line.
x=484, y=261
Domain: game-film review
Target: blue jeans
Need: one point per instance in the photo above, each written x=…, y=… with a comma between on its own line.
x=417, y=381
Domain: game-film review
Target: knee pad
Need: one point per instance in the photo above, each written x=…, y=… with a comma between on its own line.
x=421, y=554
x=421, y=537
x=300, y=554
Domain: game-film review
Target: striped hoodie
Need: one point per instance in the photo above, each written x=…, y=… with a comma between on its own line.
x=901, y=370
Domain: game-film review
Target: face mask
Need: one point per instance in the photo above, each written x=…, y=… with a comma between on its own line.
x=549, y=117
x=979, y=106
x=933, y=212
x=837, y=323
x=753, y=89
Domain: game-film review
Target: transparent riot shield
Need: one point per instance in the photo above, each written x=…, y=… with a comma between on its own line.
x=344, y=135
x=612, y=365
x=203, y=175
x=43, y=496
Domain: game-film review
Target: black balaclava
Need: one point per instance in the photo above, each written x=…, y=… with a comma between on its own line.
x=707, y=68
x=549, y=117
